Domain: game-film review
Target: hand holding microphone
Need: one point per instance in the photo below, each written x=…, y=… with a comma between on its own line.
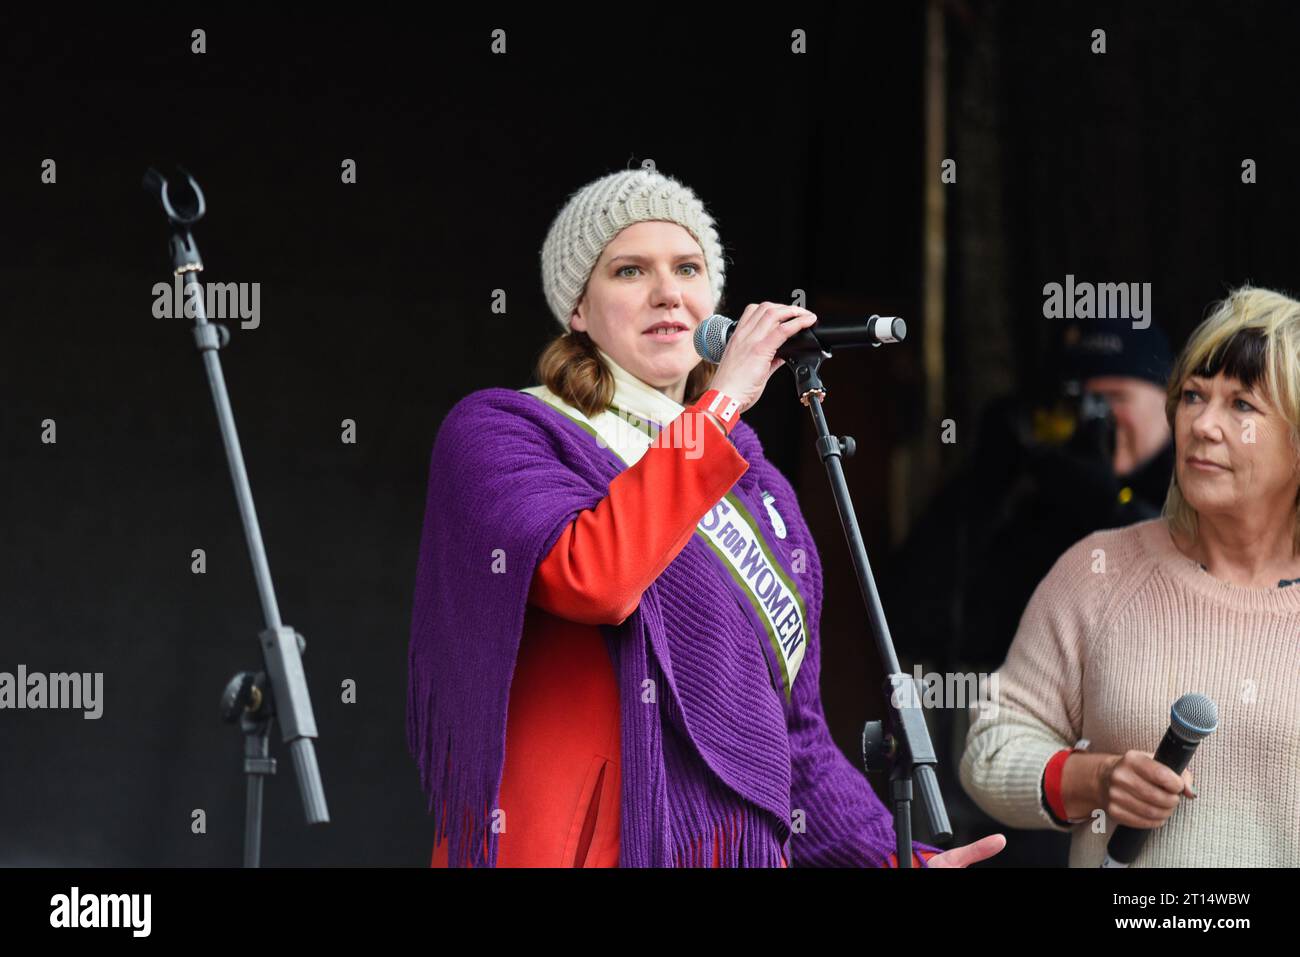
x=750, y=357
x=1138, y=791
x=1149, y=789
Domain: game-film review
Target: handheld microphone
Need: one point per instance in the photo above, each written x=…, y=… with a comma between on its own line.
x=1192, y=719
x=713, y=334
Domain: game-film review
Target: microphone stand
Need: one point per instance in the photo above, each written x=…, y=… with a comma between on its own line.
x=905, y=750
x=252, y=698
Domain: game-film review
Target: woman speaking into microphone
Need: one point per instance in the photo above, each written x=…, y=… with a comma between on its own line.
x=614, y=645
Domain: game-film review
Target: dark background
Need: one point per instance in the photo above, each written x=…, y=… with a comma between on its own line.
x=376, y=307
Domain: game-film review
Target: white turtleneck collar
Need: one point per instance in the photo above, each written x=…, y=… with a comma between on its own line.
x=633, y=395
x=638, y=400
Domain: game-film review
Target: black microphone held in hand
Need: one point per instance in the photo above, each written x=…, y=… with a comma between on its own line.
x=1192, y=719
x=712, y=335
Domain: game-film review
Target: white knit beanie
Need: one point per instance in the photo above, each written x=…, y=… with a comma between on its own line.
x=597, y=212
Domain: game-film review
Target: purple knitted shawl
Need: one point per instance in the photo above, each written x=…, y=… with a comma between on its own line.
x=708, y=748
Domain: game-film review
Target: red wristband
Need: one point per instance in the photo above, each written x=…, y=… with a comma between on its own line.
x=1052, y=782
x=723, y=406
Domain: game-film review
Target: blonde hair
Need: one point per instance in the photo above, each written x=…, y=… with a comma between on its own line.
x=1253, y=336
x=571, y=368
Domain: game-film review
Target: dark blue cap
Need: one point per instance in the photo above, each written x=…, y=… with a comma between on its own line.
x=1102, y=347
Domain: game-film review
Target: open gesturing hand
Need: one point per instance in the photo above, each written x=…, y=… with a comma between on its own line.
x=969, y=854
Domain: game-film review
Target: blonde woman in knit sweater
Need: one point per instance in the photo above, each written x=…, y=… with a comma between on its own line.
x=1205, y=599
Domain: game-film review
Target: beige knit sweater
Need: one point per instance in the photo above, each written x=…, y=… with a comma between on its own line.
x=1122, y=626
